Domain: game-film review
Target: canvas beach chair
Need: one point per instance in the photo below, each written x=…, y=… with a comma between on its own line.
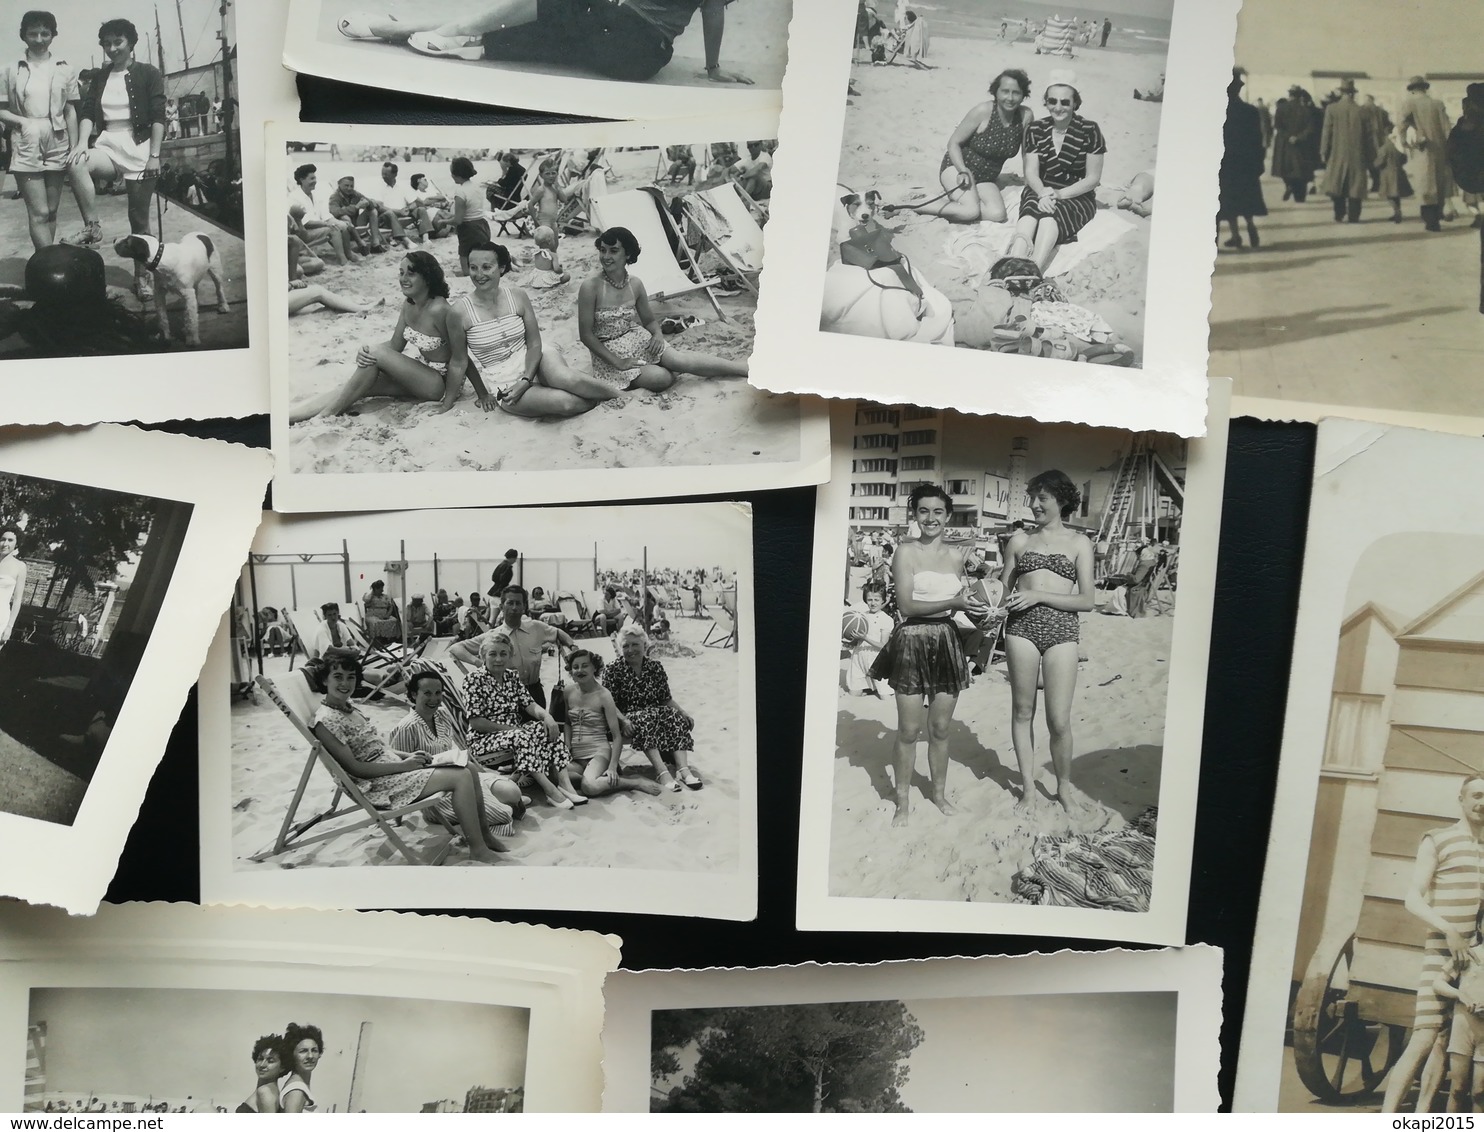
x=293, y=696
x=723, y=220
x=723, y=631
x=643, y=213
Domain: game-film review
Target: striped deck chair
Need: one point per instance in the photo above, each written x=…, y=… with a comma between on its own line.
x=721, y=219
x=665, y=276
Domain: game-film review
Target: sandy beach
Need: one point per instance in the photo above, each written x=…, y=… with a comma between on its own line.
x=698, y=421
x=897, y=130
x=1118, y=723
x=691, y=831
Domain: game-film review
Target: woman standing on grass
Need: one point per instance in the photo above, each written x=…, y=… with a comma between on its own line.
x=924, y=659
x=12, y=583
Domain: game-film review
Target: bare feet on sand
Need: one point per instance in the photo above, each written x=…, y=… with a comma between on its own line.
x=899, y=819
x=943, y=804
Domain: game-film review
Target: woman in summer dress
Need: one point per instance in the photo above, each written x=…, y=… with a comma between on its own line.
x=622, y=332
x=990, y=134
x=650, y=717
x=594, y=735
x=494, y=327
x=12, y=584
x=385, y=369
x=1063, y=165
x=1048, y=577
x=924, y=659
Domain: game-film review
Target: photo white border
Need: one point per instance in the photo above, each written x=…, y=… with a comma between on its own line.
x=71, y=866
x=1167, y=395
x=1312, y=412
x=1194, y=973
x=557, y=974
x=187, y=384
x=521, y=86
x=562, y=888
x=306, y=491
x=1359, y=468
x=1164, y=922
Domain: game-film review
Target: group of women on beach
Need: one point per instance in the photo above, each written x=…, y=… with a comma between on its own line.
x=490, y=336
x=1048, y=580
x=284, y=1064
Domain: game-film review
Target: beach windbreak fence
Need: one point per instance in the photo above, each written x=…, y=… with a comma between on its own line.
x=463, y=576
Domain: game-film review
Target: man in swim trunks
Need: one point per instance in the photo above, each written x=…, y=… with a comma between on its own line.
x=625, y=40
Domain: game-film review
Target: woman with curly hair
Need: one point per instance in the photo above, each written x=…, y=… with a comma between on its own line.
x=1048, y=577
x=649, y=716
x=924, y=658
x=593, y=733
x=385, y=369
x=1063, y=156
x=990, y=134
x=303, y=1047
x=270, y=1064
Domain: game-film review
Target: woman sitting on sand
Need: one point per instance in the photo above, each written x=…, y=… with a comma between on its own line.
x=1050, y=574
x=622, y=332
x=990, y=134
x=270, y=1064
x=924, y=658
x=593, y=733
x=1063, y=165
x=649, y=716
x=504, y=721
x=494, y=326
x=389, y=782
x=383, y=370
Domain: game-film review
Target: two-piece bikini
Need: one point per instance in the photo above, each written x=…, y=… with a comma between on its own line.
x=426, y=344
x=1042, y=625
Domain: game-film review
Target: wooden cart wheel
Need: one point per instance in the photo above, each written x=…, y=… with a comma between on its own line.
x=1340, y=1056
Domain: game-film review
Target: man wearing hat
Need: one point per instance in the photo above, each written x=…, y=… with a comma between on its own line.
x=1424, y=126
x=332, y=634
x=1466, y=158
x=1292, y=130
x=1348, y=149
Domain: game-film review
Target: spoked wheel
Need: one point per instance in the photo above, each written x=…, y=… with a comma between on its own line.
x=1341, y=1057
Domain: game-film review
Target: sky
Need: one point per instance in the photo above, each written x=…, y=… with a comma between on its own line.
x=1044, y=1053
x=1382, y=38
x=178, y=1043
x=1408, y=573
x=78, y=21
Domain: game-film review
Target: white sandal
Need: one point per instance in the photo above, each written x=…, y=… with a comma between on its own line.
x=468, y=47
x=357, y=25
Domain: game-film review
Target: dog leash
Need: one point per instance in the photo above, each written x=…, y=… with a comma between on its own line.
x=890, y=209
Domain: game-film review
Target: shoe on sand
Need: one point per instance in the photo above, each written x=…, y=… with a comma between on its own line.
x=689, y=777
x=357, y=25
x=470, y=47
x=91, y=236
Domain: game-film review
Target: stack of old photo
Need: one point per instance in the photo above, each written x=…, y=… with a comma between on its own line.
x=923, y=260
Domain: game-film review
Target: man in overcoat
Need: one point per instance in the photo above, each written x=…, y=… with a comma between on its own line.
x=1347, y=146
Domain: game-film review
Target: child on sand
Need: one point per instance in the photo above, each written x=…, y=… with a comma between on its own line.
x=1461, y=983
x=546, y=268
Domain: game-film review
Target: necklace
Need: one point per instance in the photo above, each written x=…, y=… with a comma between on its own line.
x=617, y=286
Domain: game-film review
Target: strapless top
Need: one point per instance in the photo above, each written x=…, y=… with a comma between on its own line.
x=588, y=725
x=1057, y=563
x=935, y=585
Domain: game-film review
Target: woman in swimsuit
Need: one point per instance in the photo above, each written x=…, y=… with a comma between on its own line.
x=12, y=583
x=494, y=326
x=593, y=733
x=305, y=1045
x=989, y=135
x=1050, y=573
x=622, y=332
x=924, y=659
x=270, y=1064
x=384, y=370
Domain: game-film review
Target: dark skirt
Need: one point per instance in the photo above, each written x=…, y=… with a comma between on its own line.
x=472, y=232
x=923, y=657
x=1071, y=215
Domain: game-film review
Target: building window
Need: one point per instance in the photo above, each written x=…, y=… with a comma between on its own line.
x=921, y=436
x=919, y=463
x=915, y=413
x=886, y=489
x=875, y=416
x=960, y=487
x=869, y=514
x=876, y=440
x=881, y=465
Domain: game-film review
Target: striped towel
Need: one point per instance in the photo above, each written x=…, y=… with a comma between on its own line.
x=1109, y=869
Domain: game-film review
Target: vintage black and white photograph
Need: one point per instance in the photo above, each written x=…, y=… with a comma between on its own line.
x=1003, y=660
x=545, y=319
x=563, y=698
x=128, y=1050
x=1355, y=163
x=175, y=1008
x=107, y=597
x=902, y=1037
x=130, y=130
x=633, y=58
x=994, y=171
x=1370, y=952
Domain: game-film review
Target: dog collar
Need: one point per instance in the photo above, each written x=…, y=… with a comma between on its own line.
x=154, y=261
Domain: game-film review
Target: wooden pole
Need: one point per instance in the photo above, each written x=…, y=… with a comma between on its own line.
x=185, y=52
x=402, y=563
x=345, y=563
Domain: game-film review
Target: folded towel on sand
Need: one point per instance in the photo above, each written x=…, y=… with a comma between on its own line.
x=976, y=247
x=1109, y=869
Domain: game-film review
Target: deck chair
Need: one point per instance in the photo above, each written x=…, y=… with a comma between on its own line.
x=723, y=631
x=579, y=625
x=293, y=696
x=720, y=219
x=689, y=607
x=643, y=213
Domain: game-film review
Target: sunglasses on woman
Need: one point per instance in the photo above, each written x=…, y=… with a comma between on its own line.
x=1058, y=102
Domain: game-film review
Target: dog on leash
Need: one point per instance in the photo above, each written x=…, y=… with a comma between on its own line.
x=177, y=269
x=869, y=243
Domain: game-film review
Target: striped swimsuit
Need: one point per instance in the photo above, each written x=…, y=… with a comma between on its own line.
x=497, y=345
x=1062, y=168
x=1457, y=885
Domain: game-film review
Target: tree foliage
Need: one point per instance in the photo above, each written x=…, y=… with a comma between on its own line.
x=816, y=1057
x=86, y=531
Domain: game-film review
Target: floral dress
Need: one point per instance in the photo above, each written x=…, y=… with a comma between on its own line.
x=502, y=700
x=644, y=697
x=366, y=746
x=619, y=329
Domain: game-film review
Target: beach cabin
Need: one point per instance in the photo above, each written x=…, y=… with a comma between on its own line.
x=1406, y=725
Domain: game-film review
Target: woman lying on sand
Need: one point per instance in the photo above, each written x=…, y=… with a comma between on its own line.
x=494, y=326
x=924, y=659
x=593, y=733
x=622, y=332
x=353, y=742
x=1050, y=571
x=649, y=716
x=990, y=134
x=1063, y=165
x=383, y=370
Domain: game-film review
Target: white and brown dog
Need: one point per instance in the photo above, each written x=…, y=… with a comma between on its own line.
x=178, y=268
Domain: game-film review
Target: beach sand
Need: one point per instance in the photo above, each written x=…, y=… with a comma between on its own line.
x=1118, y=723
x=691, y=831
x=897, y=130
x=697, y=421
